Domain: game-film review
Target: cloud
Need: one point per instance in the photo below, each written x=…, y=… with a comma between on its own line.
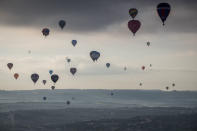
x=95, y=15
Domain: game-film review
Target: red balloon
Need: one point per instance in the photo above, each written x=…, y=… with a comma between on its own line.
x=134, y=26
x=143, y=67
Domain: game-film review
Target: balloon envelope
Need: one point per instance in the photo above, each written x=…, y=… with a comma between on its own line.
x=73, y=70
x=50, y=72
x=10, y=65
x=74, y=42
x=44, y=98
x=16, y=75
x=34, y=77
x=62, y=23
x=54, y=78
x=148, y=43
x=44, y=82
x=108, y=65
x=163, y=10
x=68, y=102
x=134, y=26
x=133, y=12
x=45, y=31
x=94, y=55
x=143, y=67
x=52, y=87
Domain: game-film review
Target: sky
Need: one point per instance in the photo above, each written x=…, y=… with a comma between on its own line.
x=101, y=26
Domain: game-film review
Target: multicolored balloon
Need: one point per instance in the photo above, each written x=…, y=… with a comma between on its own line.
x=163, y=10
x=133, y=12
x=45, y=31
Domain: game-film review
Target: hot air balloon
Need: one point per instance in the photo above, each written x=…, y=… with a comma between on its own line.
x=134, y=26
x=173, y=84
x=34, y=77
x=73, y=70
x=150, y=65
x=107, y=65
x=44, y=82
x=133, y=12
x=74, y=42
x=140, y=84
x=148, y=43
x=45, y=31
x=143, y=67
x=68, y=102
x=94, y=55
x=125, y=68
x=112, y=94
x=163, y=10
x=54, y=78
x=167, y=87
x=68, y=60
x=16, y=75
x=50, y=72
x=10, y=65
x=52, y=87
x=62, y=23
x=44, y=98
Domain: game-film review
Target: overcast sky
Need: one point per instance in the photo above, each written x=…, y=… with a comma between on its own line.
x=98, y=25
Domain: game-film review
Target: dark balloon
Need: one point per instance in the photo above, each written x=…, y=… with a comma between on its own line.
x=133, y=12
x=50, y=72
x=44, y=82
x=134, y=26
x=148, y=43
x=163, y=10
x=44, y=98
x=45, y=31
x=62, y=23
x=16, y=75
x=34, y=77
x=112, y=94
x=68, y=102
x=108, y=65
x=150, y=65
x=173, y=84
x=74, y=42
x=125, y=68
x=143, y=67
x=167, y=87
x=73, y=70
x=94, y=55
x=140, y=84
x=52, y=87
x=54, y=78
x=10, y=65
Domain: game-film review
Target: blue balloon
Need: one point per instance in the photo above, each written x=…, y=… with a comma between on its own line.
x=108, y=65
x=74, y=42
x=50, y=72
